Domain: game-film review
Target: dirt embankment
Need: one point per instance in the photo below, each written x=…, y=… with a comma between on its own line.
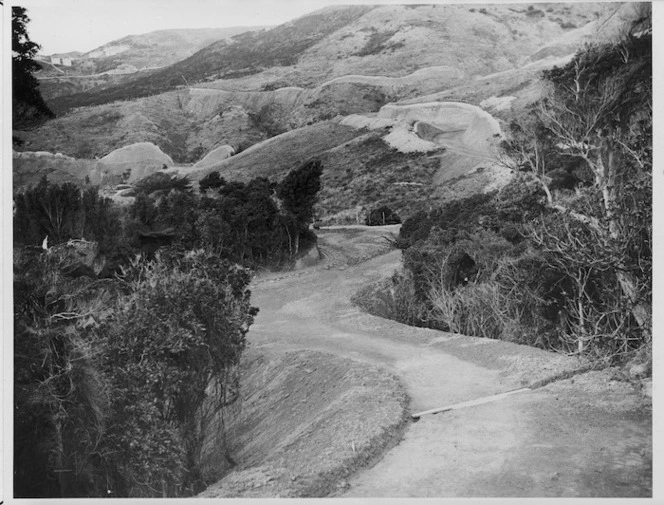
x=306, y=422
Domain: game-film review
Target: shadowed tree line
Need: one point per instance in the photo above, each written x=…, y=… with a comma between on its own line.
x=130, y=322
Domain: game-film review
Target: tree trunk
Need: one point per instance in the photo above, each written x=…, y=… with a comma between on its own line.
x=606, y=180
x=641, y=312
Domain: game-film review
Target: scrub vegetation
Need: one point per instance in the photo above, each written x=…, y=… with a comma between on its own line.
x=561, y=258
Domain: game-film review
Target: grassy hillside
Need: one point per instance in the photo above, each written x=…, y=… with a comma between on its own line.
x=128, y=58
x=351, y=61
x=361, y=171
x=393, y=40
x=244, y=54
x=162, y=119
x=276, y=157
x=149, y=50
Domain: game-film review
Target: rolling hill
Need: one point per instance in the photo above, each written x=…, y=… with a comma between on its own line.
x=121, y=60
x=392, y=40
x=323, y=85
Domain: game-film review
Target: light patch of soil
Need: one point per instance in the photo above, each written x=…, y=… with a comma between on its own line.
x=306, y=421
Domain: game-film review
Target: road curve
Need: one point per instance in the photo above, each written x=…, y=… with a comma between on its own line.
x=585, y=436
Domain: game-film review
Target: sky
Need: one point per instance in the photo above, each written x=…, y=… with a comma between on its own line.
x=61, y=26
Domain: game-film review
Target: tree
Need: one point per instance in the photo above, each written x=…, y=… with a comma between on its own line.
x=29, y=107
x=382, y=216
x=598, y=113
x=62, y=212
x=298, y=192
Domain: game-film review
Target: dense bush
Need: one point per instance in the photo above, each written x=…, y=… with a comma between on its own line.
x=175, y=337
x=561, y=257
x=61, y=212
x=211, y=181
x=116, y=380
x=60, y=395
x=254, y=223
x=162, y=182
x=270, y=119
x=382, y=216
x=378, y=43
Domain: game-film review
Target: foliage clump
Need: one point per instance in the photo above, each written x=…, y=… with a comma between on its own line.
x=561, y=258
x=62, y=212
x=171, y=351
x=28, y=106
x=120, y=373
x=116, y=380
x=382, y=216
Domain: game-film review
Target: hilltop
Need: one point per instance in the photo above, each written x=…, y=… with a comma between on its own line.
x=393, y=40
x=118, y=60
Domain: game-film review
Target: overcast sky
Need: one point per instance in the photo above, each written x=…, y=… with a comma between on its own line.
x=82, y=25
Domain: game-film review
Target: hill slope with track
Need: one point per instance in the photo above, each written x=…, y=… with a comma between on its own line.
x=393, y=40
x=318, y=91
x=124, y=59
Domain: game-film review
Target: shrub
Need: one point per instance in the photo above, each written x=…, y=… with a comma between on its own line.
x=376, y=44
x=382, y=216
x=178, y=331
x=159, y=181
x=62, y=212
x=532, y=12
x=61, y=398
x=211, y=181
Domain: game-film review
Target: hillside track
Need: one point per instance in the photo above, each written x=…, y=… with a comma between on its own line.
x=586, y=436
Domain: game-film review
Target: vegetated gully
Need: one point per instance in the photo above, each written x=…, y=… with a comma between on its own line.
x=556, y=440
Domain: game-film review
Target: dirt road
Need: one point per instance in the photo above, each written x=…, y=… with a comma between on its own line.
x=588, y=435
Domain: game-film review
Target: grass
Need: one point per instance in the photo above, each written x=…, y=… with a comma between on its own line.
x=366, y=173
x=248, y=53
x=377, y=43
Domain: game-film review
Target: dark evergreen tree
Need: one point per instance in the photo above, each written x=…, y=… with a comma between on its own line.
x=299, y=190
x=29, y=107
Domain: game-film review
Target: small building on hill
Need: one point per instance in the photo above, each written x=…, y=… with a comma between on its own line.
x=64, y=61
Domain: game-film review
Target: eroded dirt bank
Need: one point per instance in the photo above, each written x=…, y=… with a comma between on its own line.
x=588, y=435
x=306, y=422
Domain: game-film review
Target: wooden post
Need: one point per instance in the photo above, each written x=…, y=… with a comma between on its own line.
x=471, y=403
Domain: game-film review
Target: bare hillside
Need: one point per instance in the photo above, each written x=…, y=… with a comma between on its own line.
x=312, y=88
x=385, y=40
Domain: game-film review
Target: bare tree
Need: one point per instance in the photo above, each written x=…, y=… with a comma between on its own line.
x=598, y=109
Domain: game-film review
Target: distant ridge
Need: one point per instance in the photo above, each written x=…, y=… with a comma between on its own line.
x=371, y=40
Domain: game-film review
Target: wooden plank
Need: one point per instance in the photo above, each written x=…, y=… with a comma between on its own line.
x=471, y=403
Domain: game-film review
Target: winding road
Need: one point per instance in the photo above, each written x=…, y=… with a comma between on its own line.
x=584, y=436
